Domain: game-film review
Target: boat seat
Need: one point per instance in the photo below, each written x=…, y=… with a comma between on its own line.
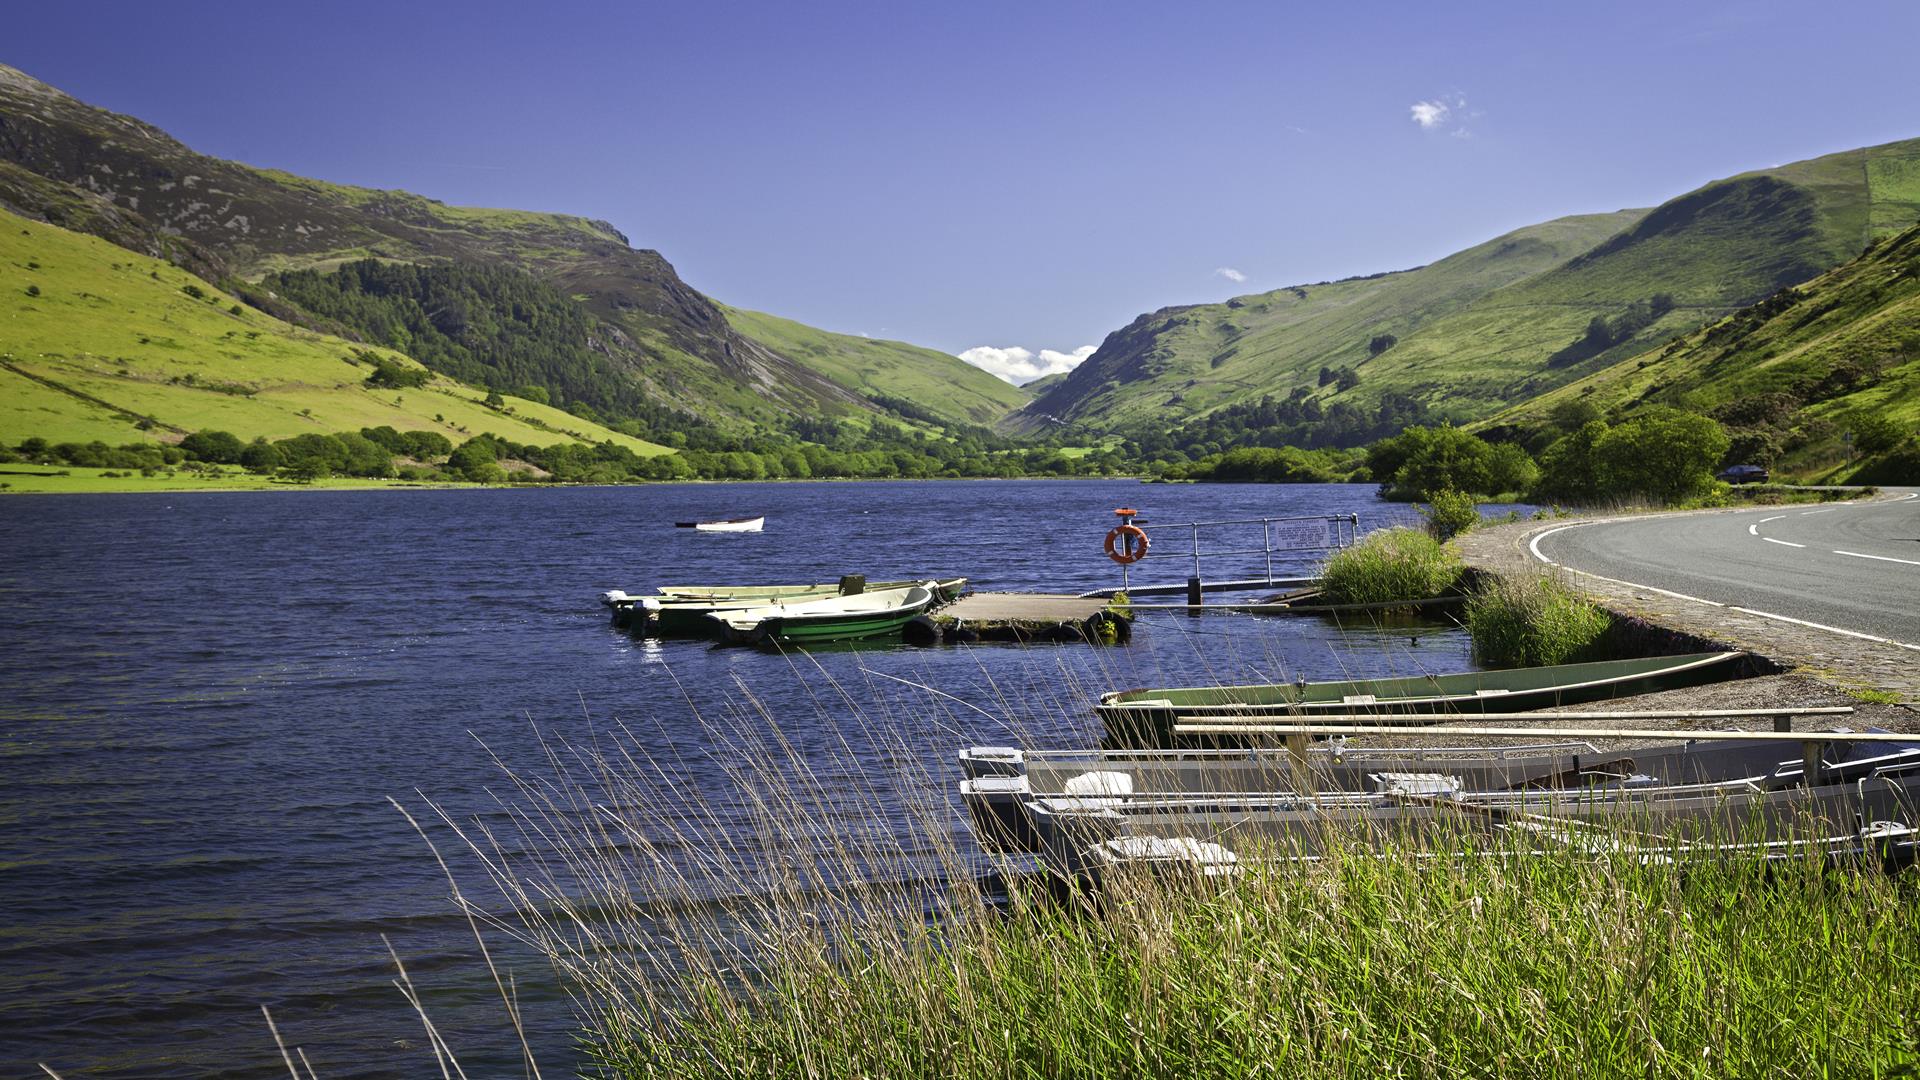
x=1415, y=783
x=1098, y=785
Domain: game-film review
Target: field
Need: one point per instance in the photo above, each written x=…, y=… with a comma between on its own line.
x=51, y=480
x=99, y=343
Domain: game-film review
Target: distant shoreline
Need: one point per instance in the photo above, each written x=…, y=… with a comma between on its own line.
x=78, y=480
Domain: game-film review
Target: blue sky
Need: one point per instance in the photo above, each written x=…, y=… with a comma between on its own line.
x=1018, y=176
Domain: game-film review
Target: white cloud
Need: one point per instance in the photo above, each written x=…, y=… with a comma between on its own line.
x=1018, y=365
x=1429, y=114
x=1445, y=111
x=1230, y=274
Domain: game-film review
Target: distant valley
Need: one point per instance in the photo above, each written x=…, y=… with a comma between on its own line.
x=153, y=292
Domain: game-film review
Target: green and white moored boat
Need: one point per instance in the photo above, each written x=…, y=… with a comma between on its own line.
x=833, y=618
x=1147, y=717
x=682, y=610
x=944, y=590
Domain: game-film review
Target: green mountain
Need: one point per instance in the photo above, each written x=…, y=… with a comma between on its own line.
x=944, y=385
x=101, y=343
x=1507, y=320
x=91, y=170
x=1805, y=380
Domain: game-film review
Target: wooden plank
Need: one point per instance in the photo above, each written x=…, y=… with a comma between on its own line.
x=1534, y=733
x=1248, y=716
x=1022, y=607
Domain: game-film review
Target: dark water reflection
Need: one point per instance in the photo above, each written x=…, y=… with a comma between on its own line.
x=206, y=702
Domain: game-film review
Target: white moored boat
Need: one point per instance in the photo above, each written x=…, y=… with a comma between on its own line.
x=751, y=524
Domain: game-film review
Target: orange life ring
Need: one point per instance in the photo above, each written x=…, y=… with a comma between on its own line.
x=1126, y=544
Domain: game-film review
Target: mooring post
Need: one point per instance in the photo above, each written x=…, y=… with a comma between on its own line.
x=1193, y=592
x=1810, y=763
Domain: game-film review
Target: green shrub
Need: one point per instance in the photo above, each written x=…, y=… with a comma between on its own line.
x=392, y=375
x=1877, y=433
x=1901, y=465
x=1391, y=565
x=1668, y=456
x=1450, y=514
x=221, y=447
x=1528, y=621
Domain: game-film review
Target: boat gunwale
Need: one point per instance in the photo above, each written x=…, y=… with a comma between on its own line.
x=775, y=624
x=1109, y=702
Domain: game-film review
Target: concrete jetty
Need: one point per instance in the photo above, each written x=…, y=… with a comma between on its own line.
x=1003, y=616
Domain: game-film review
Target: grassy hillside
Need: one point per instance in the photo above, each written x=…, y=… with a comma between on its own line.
x=1790, y=375
x=114, y=346
x=668, y=339
x=945, y=385
x=1188, y=360
x=1509, y=319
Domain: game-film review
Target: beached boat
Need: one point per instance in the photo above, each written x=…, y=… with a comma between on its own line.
x=833, y=618
x=1145, y=718
x=751, y=524
x=999, y=782
x=1723, y=793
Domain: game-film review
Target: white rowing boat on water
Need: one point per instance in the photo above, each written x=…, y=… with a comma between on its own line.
x=751, y=524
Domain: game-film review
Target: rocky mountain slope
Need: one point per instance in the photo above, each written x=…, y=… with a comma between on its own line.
x=85, y=168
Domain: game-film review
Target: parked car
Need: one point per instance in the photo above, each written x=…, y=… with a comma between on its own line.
x=1744, y=474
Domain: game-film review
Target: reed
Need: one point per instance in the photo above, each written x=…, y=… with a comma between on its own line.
x=1391, y=565
x=824, y=913
x=1531, y=619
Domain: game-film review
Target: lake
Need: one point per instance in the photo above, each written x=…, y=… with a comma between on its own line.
x=210, y=698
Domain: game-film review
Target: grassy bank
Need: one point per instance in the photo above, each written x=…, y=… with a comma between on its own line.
x=813, y=917
x=1389, y=566
x=1532, y=619
x=75, y=480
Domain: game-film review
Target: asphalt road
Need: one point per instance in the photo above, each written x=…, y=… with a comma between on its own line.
x=1851, y=568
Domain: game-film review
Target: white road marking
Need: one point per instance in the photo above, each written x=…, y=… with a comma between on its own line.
x=1829, y=629
x=1775, y=517
x=1753, y=530
x=1810, y=513
x=1534, y=544
x=1782, y=543
x=1882, y=558
x=1648, y=588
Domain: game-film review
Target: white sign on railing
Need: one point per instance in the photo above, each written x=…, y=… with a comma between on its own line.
x=1301, y=534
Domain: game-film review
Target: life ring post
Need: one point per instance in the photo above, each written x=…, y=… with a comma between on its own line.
x=1126, y=543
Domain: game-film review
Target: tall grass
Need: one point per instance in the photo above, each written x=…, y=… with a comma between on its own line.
x=824, y=914
x=1529, y=619
x=1391, y=565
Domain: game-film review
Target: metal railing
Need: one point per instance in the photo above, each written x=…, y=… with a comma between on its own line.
x=1279, y=536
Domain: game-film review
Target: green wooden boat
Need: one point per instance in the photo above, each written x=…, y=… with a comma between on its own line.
x=1145, y=718
x=833, y=618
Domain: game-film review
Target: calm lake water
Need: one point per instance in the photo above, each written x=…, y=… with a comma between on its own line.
x=206, y=701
